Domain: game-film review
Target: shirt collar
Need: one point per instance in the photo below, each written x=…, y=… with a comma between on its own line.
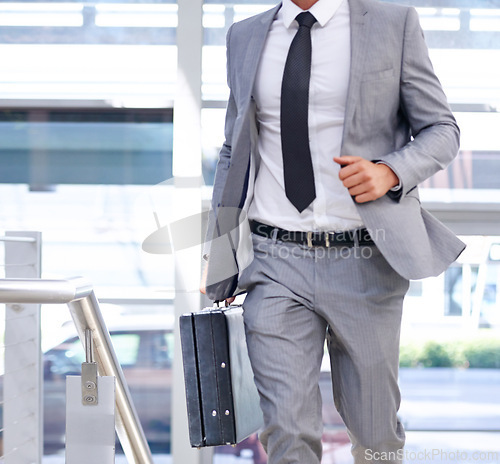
x=323, y=11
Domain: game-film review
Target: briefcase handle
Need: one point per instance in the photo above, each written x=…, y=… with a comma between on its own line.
x=217, y=305
x=218, y=302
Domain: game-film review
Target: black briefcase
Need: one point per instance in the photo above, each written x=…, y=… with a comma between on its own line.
x=222, y=400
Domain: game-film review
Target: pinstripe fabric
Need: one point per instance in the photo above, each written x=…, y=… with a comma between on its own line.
x=299, y=296
x=396, y=112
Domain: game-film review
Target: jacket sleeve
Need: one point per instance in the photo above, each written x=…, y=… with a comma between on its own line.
x=435, y=134
x=224, y=155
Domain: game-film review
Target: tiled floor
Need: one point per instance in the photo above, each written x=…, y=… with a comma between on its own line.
x=421, y=448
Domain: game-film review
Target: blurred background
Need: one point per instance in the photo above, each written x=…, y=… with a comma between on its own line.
x=86, y=157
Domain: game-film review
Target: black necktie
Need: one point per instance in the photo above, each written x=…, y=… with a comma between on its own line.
x=297, y=164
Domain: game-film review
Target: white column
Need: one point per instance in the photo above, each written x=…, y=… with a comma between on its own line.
x=187, y=202
x=23, y=380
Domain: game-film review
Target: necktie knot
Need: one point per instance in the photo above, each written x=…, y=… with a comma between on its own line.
x=306, y=19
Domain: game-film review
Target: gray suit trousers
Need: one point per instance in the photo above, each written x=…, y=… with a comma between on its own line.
x=297, y=297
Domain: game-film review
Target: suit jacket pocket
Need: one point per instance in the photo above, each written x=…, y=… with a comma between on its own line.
x=376, y=75
x=379, y=100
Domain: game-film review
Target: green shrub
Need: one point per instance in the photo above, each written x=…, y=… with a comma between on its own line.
x=478, y=351
x=409, y=355
x=456, y=353
x=483, y=353
x=435, y=355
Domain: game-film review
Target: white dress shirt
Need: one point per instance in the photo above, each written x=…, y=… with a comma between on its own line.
x=333, y=209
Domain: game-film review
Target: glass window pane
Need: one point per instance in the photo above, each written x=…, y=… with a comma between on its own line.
x=127, y=348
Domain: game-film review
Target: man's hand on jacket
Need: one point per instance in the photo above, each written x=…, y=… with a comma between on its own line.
x=365, y=180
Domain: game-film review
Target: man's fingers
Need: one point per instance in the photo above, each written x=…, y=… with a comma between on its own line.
x=345, y=160
x=365, y=180
x=354, y=179
x=347, y=171
x=350, y=165
x=358, y=190
x=203, y=283
x=364, y=198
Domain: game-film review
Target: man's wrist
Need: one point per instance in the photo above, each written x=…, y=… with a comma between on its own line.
x=396, y=182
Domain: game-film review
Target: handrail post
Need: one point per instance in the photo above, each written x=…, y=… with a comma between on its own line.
x=90, y=413
x=87, y=315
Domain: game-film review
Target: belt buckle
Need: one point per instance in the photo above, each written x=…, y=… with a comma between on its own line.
x=327, y=238
x=310, y=239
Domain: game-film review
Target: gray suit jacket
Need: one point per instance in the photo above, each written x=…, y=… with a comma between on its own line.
x=396, y=112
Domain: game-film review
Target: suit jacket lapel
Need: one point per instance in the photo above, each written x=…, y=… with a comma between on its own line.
x=247, y=70
x=360, y=23
x=254, y=51
x=234, y=192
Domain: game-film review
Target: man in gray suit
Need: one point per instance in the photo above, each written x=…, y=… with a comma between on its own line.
x=334, y=117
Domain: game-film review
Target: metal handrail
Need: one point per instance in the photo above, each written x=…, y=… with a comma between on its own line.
x=79, y=295
x=12, y=238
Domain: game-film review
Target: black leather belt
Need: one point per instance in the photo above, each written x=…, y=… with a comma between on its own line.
x=347, y=238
